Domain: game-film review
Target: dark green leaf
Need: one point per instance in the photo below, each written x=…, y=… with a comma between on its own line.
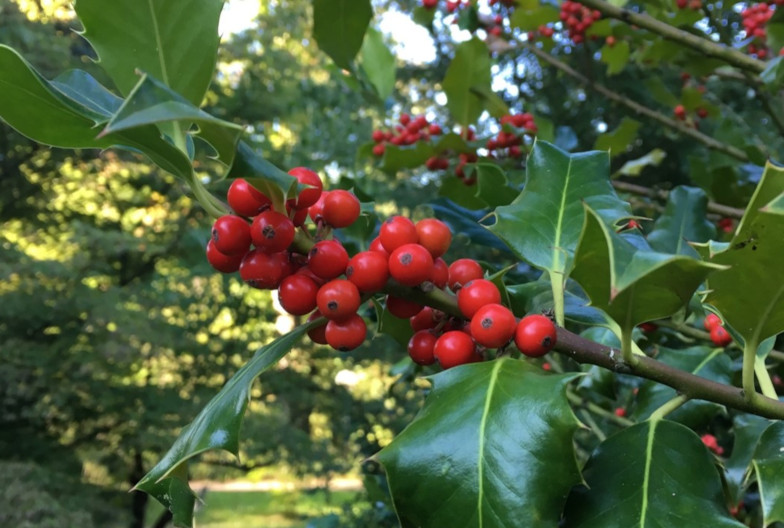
x=262, y=174
x=468, y=72
x=378, y=63
x=175, y=41
x=408, y=157
x=747, y=430
x=81, y=88
x=619, y=139
x=537, y=297
x=339, y=27
x=493, y=440
x=683, y=221
x=768, y=462
x=491, y=184
x=464, y=195
x=773, y=74
x=395, y=327
x=651, y=475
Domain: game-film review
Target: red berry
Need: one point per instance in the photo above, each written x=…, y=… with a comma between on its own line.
x=720, y=336
x=297, y=294
x=378, y=150
x=454, y=348
x=376, y=245
x=347, y=334
x=420, y=347
x=424, y=320
x=711, y=320
x=231, y=235
x=440, y=275
x=711, y=443
x=493, y=325
x=476, y=294
x=328, y=259
x=648, y=327
x=338, y=299
x=405, y=119
x=312, y=193
x=316, y=211
x=680, y=112
x=317, y=334
x=368, y=270
x=397, y=231
x=620, y=412
x=263, y=270
x=434, y=235
x=245, y=199
x=463, y=271
x=379, y=136
x=341, y=208
x=272, y=232
x=411, y=265
x=221, y=262
x=535, y=335
x=402, y=308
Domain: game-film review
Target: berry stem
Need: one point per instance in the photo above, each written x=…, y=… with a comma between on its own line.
x=214, y=207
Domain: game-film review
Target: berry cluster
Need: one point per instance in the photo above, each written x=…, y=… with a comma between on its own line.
x=543, y=31
x=681, y=113
x=407, y=132
x=497, y=27
x=429, y=4
x=755, y=17
x=509, y=139
x=718, y=333
x=577, y=19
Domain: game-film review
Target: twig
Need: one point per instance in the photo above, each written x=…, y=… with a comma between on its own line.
x=713, y=207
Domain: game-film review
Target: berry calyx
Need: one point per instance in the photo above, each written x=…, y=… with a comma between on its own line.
x=421, y=347
x=272, y=231
x=535, y=335
x=476, y=294
x=231, y=235
x=346, y=334
x=493, y=325
x=341, y=208
x=411, y=264
x=454, y=348
x=338, y=299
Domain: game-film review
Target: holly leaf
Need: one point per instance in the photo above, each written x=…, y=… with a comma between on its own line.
x=649, y=475
x=633, y=285
x=768, y=463
x=217, y=426
x=263, y=175
x=378, y=63
x=492, y=186
x=405, y=157
x=619, y=139
x=683, y=221
x=747, y=430
x=175, y=41
x=744, y=294
x=339, y=28
x=467, y=76
x=616, y=57
x=493, y=440
x=635, y=167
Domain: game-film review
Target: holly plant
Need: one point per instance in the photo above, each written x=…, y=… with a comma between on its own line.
x=588, y=366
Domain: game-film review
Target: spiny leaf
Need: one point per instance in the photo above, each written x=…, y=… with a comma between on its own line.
x=492, y=443
x=683, y=221
x=747, y=430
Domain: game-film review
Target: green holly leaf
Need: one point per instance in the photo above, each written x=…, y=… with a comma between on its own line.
x=635, y=167
x=216, y=427
x=467, y=76
x=768, y=463
x=175, y=41
x=339, y=28
x=747, y=429
x=712, y=364
x=88, y=94
x=537, y=297
x=683, y=221
x=493, y=440
x=378, y=63
x=619, y=139
x=405, y=157
x=492, y=186
x=747, y=295
x=263, y=175
x=630, y=284
x=650, y=475
x=529, y=19
x=616, y=57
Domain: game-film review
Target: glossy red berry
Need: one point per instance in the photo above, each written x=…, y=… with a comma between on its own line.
x=425, y=319
x=440, y=276
x=298, y=216
x=245, y=199
x=272, y=232
x=720, y=336
x=476, y=294
x=346, y=334
x=317, y=334
x=263, y=270
x=434, y=235
x=402, y=308
x=411, y=264
x=328, y=259
x=341, y=208
x=376, y=245
x=316, y=211
x=454, y=348
x=312, y=193
x=297, y=294
x=711, y=320
x=535, y=335
x=397, y=231
x=369, y=270
x=493, y=325
x=421, y=346
x=463, y=271
x=221, y=262
x=338, y=299
x=231, y=235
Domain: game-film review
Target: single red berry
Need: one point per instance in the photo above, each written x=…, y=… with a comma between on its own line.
x=411, y=265
x=328, y=259
x=272, y=232
x=463, y=271
x=316, y=211
x=298, y=216
x=726, y=224
x=338, y=299
x=347, y=334
x=297, y=294
x=341, y=208
x=475, y=294
x=426, y=318
x=263, y=270
x=421, y=346
x=535, y=335
x=245, y=199
x=720, y=336
x=376, y=245
x=405, y=119
x=454, y=348
x=711, y=443
x=231, y=235
x=648, y=327
x=434, y=235
x=440, y=275
x=317, y=333
x=379, y=149
x=620, y=412
x=493, y=325
x=368, y=270
x=379, y=136
x=680, y=112
x=397, y=231
x=312, y=193
x=402, y=308
x=711, y=320
x=221, y=262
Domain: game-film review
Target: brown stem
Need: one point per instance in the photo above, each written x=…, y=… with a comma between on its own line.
x=713, y=207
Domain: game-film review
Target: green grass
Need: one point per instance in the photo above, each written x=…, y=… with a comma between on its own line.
x=268, y=509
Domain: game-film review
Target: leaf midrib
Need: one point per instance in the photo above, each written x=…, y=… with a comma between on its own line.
x=647, y=473
x=158, y=44
x=482, y=427
x=561, y=214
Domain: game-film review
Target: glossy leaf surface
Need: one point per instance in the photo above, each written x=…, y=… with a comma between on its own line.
x=683, y=221
x=747, y=430
x=339, y=27
x=768, y=464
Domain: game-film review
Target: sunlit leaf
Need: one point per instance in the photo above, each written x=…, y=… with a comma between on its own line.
x=378, y=63
x=467, y=75
x=635, y=167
